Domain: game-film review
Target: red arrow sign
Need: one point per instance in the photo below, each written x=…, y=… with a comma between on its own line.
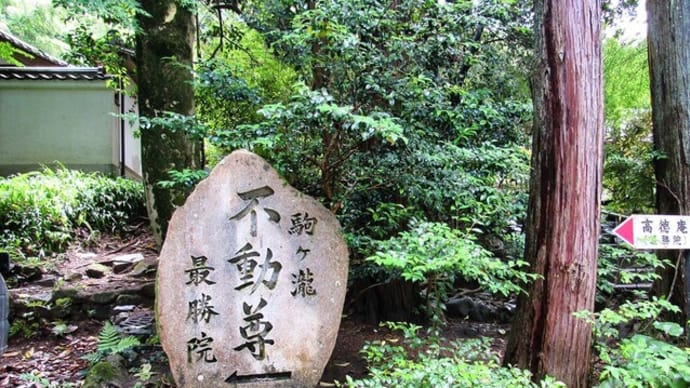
x=626, y=231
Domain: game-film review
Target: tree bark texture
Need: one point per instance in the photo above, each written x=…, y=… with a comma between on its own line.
x=164, y=58
x=565, y=190
x=668, y=39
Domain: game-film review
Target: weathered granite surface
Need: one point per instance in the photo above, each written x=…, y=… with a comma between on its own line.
x=251, y=281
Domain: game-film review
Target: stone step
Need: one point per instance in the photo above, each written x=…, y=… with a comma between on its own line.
x=76, y=302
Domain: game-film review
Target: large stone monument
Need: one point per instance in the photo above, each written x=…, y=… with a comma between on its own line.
x=251, y=281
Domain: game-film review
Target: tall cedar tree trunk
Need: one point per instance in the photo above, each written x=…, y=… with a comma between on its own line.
x=164, y=58
x=565, y=188
x=668, y=39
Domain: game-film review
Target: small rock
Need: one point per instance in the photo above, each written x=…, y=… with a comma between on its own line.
x=119, y=317
x=86, y=255
x=145, y=267
x=148, y=290
x=98, y=311
x=136, y=323
x=478, y=310
x=124, y=308
x=97, y=271
x=27, y=273
x=36, y=303
x=46, y=296
x=459, y=307
x=73, y=276
x=483, y=312
x=120, y=267
x=125, y=263
x=66, y=293
x=46, y=282
x=128, y=299
x=131, y=258
x=103, y=297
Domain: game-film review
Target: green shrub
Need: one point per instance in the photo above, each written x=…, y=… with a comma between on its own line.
x=433, y=254
x=645, y=357
x=622, y=265
x=109, y=205
x=186, y=178
x=32, y=212
x=417, y=362
x=628, y=181
x=39, y=210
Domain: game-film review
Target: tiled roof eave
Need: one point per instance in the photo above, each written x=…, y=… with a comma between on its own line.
x=7, y=37
x=54, y=73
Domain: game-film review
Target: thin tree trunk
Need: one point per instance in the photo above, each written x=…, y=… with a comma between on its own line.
x=668, y=39
x=565, y=188
x=164, y=47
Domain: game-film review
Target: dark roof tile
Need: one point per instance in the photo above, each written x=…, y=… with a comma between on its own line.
x=53, y=73
x=16, y=42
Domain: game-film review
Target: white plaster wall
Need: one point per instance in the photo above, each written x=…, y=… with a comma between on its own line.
x=132, y=142
x=65, y=121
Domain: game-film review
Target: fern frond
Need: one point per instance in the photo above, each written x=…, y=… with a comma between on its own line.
x=125, y=344
x=108, y=338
